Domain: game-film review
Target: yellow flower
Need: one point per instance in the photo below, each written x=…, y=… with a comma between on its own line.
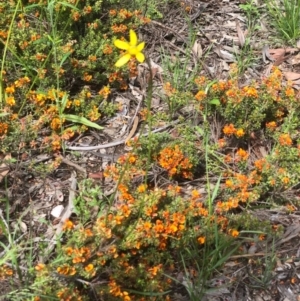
x=234, y=232
x=201, y=240
x=133, y=49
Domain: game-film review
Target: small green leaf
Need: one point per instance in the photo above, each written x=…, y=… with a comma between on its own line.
x=69, y=5
x=2, y=227
x=200, y=130
x=64, y=102
x=215, y=101
x=4, y=114
x=216, y=189
x=152, y=294
x=82, y=120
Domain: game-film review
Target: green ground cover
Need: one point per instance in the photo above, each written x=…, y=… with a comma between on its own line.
x=182, y=196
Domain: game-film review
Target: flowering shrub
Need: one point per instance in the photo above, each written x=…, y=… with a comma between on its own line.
x=139, y=236
x=245, y=111
x=174, y=162
x=129, y=244
x=67, y=66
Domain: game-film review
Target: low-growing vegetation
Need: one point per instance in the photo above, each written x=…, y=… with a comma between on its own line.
x=161, y=218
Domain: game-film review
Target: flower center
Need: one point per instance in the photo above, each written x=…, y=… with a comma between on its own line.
x=132, y=50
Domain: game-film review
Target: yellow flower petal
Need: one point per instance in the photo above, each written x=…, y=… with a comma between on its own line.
x=140, y=57
x=123, y=60
x=133, y=51
x=140, y=46
x=133, y=38
x=121, y=44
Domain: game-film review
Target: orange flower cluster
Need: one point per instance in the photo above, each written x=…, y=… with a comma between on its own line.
x=105, y=91
x=102, y=229
x=132, y=66
x=68, y=225
x=285, y=140
x=39, y=267
x=5, y=272
x=92, y=58
x=221, y=143
x=231, y=203
x=79, y=255
x=38, y=98
x=274, y=83
x=239, y=133
x=112, y=13
x=168, y=224
x=119, y=28
x=55, y=143
x=87, y=10
x=116, y=291
x=3, y=34
x=271, y=125
x=289, y=92
x=235, y=95
x=3, y=128
x=169, y=90
x=159, y=225
x=250, y=92
x=124, y=194
x=10, y=89
x=76, y=16
x=144, y=20
x=200, y=95
x=240, y=187
x=111, y=171
x=125, y=14
x=10, y=101
x=117, y=77
x=241, y=155
x=69, y=294
x=87, y=77
x=107, y=49
x=229, y=129
x=201, y=240
x=233, y=232
x=142, y=188
x=66, y=270
x=94, y=114
x=154, y=271
x=90, y=269
x=200, y=81
x=262, y=165
x=222, y=86
x=56, y=123
x=173, y=160
x=40, y=57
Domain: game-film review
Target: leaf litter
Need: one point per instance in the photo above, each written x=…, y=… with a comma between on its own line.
x=221, y=33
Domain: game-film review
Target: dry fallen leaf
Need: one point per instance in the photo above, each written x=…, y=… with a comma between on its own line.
x=4, y=168
x=279, y=55
x=57, y=210
x=98, y=175
x=240, y=33
x=197, y=50
x=19, y=226
x=291, y=75
x=224, y=54
x=59, y=195
x=295, y=59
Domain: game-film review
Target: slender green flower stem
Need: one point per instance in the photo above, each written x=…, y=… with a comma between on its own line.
x=149, y=117
x=5, y=52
